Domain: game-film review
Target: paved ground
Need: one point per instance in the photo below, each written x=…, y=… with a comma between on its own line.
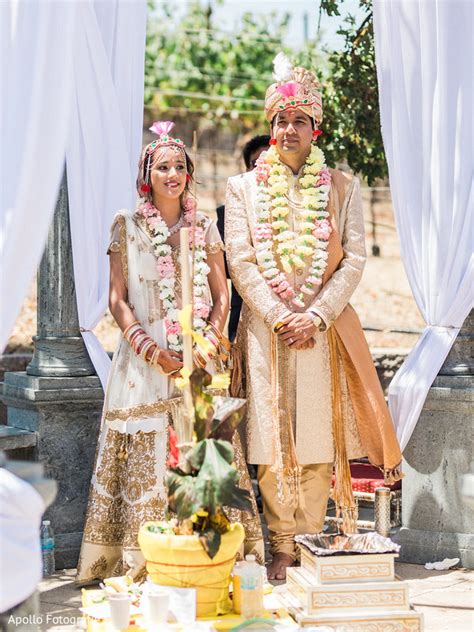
x=446, y=599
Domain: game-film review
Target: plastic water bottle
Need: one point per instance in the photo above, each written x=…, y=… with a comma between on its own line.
x=47, y=548
x=251, y=588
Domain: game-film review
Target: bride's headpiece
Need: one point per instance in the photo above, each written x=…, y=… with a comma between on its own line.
x=162, y=129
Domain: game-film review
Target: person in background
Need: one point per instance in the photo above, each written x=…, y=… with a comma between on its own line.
x=250, y=153
x=25, y=493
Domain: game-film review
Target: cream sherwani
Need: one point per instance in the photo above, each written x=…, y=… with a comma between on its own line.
x=308, y=386
x=305, y=375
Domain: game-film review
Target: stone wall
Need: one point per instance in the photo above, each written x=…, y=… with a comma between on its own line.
x=11, y=362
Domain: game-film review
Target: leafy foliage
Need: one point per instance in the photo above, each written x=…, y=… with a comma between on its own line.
x=194, y=69
x=207, y=481
x=351, y=103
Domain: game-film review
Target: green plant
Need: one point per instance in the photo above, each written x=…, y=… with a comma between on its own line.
x=192, y=68
x=351, y=98
x=205, y=481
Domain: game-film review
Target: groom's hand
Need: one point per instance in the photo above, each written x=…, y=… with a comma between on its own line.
x=298, y=329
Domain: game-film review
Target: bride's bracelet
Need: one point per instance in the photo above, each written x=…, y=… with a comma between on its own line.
x=142, y=343
x=221, y=339
x=155, y=356
x=201, y=356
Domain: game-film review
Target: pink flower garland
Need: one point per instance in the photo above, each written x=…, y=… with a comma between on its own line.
x=166, y=268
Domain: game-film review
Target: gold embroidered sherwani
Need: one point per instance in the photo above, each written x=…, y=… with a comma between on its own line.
x=305, y=375
x=308, y=391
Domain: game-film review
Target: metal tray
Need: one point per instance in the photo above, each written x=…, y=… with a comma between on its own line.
x=338, y=544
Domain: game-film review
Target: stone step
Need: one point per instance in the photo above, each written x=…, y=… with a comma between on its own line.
x=12, y=438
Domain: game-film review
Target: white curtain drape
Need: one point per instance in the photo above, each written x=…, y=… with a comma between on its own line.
x=104, y=147
x=36, y=85
x=424, y=56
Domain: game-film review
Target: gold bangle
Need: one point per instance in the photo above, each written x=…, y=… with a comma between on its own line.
x=278, y=326
x=125, y=331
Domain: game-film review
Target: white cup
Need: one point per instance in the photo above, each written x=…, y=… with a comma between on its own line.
x=120, y=610
x=158, y=605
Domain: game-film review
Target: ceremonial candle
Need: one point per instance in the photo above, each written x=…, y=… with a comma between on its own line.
x=186, y=284
x=186, y=288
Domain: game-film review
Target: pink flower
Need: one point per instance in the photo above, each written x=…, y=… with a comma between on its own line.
x=263, y=232
x=307, y=290
x=262, y=171
x=162, y=127
x=154, y=221
x=172, y=328
x=324, y=177
x=289, y=89
x=282, y=287
x=313, y=280
x=197, y=235
x=201, y=309
x=147, y=210
x=298, y=302
x=165, y=266
x=189, y=207
x=323, y=230
x=287, y=294
x=275, y=282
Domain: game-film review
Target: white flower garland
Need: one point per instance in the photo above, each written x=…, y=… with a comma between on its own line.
x=159, y=233
x=273, y=233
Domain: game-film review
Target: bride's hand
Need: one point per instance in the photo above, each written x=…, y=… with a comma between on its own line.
x=169, y=362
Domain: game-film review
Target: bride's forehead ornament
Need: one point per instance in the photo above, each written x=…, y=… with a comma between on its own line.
x=162, y=129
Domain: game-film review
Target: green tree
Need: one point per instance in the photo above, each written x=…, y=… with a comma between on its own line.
x=192, y=67
x=351, y=104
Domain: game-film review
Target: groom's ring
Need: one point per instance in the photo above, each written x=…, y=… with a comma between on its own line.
x=291, y=341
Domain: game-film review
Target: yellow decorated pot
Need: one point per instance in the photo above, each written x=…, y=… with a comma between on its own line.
x=180, y=560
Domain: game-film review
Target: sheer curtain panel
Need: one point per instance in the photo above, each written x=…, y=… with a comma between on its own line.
x=36, y=85
x=424, y=56
x=103, y=148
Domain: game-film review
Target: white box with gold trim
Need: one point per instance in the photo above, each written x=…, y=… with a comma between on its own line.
x=396, y=621
x=344, y=569
x=323, y=598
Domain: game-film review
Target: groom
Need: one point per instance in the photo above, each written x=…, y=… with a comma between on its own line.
x=295, y=250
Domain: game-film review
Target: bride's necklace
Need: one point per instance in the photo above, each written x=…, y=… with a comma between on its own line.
x=176, y=227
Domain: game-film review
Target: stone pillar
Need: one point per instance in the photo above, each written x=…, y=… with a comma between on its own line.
x=59, y=348
x=59, y=396
x=437, y=522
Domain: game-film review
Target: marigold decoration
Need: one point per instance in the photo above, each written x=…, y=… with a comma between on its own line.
x=159, y=233
x=273, y=233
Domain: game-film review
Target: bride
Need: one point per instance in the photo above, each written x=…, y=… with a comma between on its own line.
x=127, y=486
